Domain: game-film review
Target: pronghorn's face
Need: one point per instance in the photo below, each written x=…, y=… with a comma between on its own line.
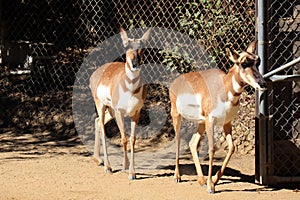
x=134, y=52
x=247, y=65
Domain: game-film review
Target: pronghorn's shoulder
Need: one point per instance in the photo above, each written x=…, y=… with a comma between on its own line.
x=107, y=72
x=96, y=76
x=107, y=68
x=213, y=72
x=114, y=68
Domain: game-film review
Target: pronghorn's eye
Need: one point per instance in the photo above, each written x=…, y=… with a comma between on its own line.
x=247, y=63
x=244, y=65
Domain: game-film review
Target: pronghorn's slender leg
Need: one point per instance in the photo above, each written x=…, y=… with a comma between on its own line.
x=177, y=139
x=120, y=122
x=100, y=120
x=98, y=135
x=176, y=123
x=227, y=131
x=108, y=115
x=96, y=156
x=194, y=147
x=134, y=122
x=209, y=126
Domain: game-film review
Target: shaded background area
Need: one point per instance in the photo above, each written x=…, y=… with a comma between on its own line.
x=43, y=44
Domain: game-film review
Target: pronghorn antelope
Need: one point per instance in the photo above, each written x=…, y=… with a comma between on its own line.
x=118, y=91
x=211, y=98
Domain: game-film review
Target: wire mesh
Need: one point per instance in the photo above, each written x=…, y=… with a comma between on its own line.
x=283, y=47
x=51, y=38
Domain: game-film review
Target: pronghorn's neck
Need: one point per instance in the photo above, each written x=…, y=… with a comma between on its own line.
x=234, y=84
x=132, y=79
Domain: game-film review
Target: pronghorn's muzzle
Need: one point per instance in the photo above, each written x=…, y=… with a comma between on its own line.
x=136, y=65
x=262, y=85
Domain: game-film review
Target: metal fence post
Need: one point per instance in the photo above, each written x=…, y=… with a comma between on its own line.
x=261, y=119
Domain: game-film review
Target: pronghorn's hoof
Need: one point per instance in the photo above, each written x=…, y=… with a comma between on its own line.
x=202, y=182
x=108, y=170
x=177, y=180
x=99, y=162
x=126, y=166
x=132, y=177
x=211, y=191
x=204, y=186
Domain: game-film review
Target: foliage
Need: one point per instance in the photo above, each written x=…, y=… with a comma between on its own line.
x=131, y=18
x=215, y=25
x=176, y=60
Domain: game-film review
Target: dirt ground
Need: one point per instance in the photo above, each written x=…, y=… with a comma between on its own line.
x=47, y=168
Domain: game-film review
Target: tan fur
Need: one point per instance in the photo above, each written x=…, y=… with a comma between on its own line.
x=210, y=98
x=118, y=91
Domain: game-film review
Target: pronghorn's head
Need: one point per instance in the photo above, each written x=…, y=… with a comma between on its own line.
x=247, y=66
x=134, y=52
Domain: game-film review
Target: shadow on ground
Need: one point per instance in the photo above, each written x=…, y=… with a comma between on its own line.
x=30, y=145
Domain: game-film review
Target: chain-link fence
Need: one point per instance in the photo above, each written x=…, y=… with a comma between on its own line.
x=280, y=144
x=43, y=45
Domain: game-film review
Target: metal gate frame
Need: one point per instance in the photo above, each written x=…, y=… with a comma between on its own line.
x=264, y=122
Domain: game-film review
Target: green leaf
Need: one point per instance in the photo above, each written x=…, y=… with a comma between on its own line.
x=196, y=14
x=191, y=32
x=194, y=4
x=199, y=21
x=170, y=64
x=187, y=13
x=209, y=24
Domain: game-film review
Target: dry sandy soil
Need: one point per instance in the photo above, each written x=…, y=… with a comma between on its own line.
x=44, y=168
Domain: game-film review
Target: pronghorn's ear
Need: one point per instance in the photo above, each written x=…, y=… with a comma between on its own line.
x=252, y=47
x=233, y=55
x=146, y=35
x=124, y=37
